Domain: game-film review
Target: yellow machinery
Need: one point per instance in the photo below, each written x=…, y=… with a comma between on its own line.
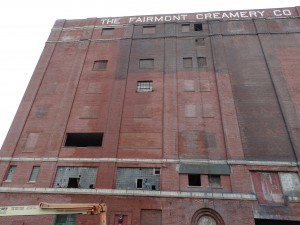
x=49, y=208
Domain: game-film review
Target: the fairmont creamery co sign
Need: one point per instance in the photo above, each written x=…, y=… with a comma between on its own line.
x=223, y=15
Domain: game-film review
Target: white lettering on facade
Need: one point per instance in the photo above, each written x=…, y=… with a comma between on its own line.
x=199, y=16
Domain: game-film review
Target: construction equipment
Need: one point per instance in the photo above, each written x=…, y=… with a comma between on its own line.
x=49, y=208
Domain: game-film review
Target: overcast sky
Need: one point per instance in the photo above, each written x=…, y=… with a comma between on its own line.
x=27, y=24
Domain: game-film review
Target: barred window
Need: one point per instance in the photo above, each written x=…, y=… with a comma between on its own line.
x=144, y=86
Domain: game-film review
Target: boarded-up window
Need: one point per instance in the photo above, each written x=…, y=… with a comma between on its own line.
x=214, y=180
x=100, y=65
x=187, y=62
x=148, y=29
x=41, y=111
x=34, y=173
x=146, y=63
x=189, y=85
x=200, y=42
x=151, y=217
x=204, y=85
x=94, y=88
x=290, y=183
x=267, y=188
x=107, y=31
x=31, y=142
x=190, y=110
x=202, y=62
x=185, y=27
x=88, y=112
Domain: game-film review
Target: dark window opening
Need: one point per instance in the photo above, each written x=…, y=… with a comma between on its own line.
x=100, y=65
x=198, y=27
x=214, y=180
x=202, y=62
x=148, y=29
x=73, y=182
x=187, y=62
x=156, y=171
x=139, y=183
x=107, y=31
x=144, y=86
x=153, y=187
x=200, y=41
x=275, y=222
x=84, y=140
x=194, y=180
x=146, y=63
x=185, y=27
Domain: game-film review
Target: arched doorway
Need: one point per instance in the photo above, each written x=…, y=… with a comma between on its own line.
x=207, y=216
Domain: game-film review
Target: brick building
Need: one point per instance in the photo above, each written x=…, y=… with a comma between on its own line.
x=186, y=119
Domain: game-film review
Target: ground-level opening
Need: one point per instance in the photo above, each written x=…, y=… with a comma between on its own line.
x=275, y=222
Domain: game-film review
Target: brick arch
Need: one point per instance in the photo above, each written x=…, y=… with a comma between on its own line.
x=207, y=212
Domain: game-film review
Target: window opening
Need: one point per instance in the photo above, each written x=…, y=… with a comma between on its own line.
x=139, y=183
x=69, y=219
x=73, y=182
x=214, y=180
x=202, y=62
x=84, y=140
x=144, y=86
x=107, y=31
x=198, y=27
x=34, y=173
x=194, y=180
x=148, y=29
x=156, y=171
x=200, y=41
x=100, y=65
x=146, y=63
x=10, y=173
x=185, y=27
x=187, y=62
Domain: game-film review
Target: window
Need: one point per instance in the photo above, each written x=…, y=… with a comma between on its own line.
x=156, y=171
x=200, y=42
x=139, y=183
x=146, y=63
x=144, y=86
x=185, y=28
x=194, y=180
x=187, y=62
x=148, y=29
x=10, y=173
x=75, y=177
x=100, y=65
x=84, y=140
x=34, y=173
x=68, y=219
x=214, y=181
x=202, y=62
x=138, y=178
x=198, y=27
x=107, y=31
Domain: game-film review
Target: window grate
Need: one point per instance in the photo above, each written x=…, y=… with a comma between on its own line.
x=202, y=62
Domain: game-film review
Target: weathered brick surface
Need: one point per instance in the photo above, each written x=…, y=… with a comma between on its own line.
x=243, y=105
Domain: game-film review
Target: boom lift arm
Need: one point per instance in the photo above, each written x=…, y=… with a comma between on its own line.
x=49, y=208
